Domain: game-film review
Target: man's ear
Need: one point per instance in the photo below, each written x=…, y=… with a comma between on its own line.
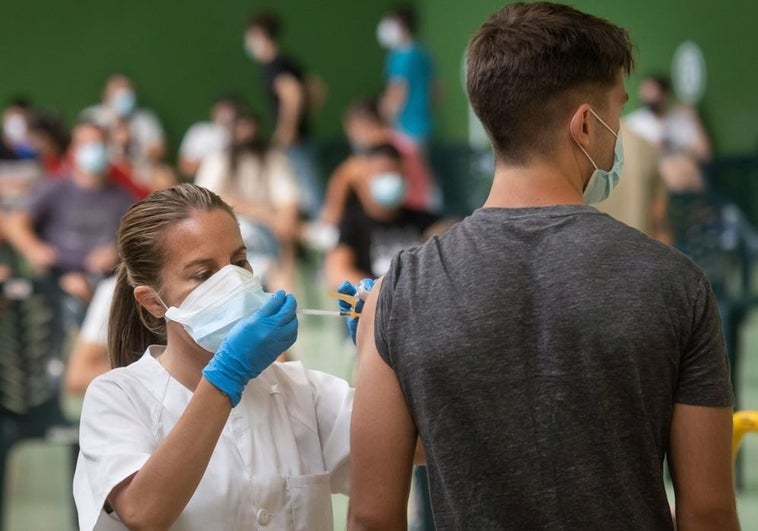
x=580, y=125
x=148, y=299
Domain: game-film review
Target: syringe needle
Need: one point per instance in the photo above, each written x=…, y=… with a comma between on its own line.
x=329, y=313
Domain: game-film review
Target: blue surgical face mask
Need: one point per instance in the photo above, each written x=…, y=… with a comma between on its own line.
x=603, y=182
x=212, y=309
x=388, y=190
x=124, y=102
x=91, y=158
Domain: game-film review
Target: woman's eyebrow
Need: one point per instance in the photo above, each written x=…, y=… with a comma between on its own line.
x=199, y=261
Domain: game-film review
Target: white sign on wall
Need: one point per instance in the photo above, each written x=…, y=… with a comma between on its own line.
x=688, y=73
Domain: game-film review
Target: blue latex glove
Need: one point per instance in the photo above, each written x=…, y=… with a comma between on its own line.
x=346, y=288
x=252, y=345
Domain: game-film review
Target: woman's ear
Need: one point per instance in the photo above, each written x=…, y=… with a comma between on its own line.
x=579, y=125
x=149, y=300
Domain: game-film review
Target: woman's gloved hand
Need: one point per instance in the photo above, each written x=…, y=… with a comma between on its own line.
x=359, y=290
x=252, y=345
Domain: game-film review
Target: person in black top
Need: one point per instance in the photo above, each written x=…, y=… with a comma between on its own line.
x=286, y=88
x=375, y=226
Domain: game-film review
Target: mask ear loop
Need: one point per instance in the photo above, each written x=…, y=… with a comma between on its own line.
x=161, y=301
x=580, y=146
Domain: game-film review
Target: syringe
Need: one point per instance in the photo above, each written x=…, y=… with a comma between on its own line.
x=329, y=313
x=362, y=294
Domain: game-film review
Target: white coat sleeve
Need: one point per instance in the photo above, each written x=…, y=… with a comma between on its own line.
x=333, y=398
x=115, y=441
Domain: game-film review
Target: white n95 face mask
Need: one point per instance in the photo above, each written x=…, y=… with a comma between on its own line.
x=210, y=311
x=603, y=182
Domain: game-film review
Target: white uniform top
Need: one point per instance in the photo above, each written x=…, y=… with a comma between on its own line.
x=283, y=450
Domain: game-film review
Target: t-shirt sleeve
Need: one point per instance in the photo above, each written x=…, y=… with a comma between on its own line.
x=192, y=143
x=115, y=441
x=149, y=127
x=41, y=199
x=95, y=325
x=211, y=173
x=382, y=317
x=703, y=370
x=398, y=67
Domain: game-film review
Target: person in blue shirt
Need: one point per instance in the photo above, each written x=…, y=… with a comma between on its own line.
x=407, y=99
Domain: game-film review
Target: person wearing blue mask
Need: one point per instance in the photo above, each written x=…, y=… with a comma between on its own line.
x=548, y=356
x=68, y=226
x=196, y=427
x=375, y=225
x=136, y=137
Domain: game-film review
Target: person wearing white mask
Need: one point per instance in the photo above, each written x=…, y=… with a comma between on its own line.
x=68, y=226
x=15, y=141
x=375, y=225
x=195, y=428
x=549, y=357
x=136, y=136
x=408, y=96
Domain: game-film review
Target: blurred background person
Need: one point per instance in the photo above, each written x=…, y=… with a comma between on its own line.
x=16, y=143
x=639, y=200
x=365, y=128
x=677, y=132
x=89, y=355
x=50, y=139
x=135, y=134
x=375, y=225
x=259, y=183
x=208, y=137
x=68, y=227
x=287, y=92
x=407, y=99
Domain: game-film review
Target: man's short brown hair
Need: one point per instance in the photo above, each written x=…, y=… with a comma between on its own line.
x=527, y=64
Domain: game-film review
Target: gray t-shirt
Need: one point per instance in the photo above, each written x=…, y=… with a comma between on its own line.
x=540, y=352
x=76, y=220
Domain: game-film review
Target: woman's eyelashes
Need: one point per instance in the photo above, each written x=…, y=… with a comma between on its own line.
x=204, y=274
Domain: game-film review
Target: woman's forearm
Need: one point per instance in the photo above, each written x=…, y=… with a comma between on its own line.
x=156, y=495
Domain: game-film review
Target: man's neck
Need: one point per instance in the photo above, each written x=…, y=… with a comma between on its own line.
x=535, y=185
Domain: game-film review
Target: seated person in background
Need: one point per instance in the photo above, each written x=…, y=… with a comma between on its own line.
x=364, y=128
x=135, y=134
x=677, y=132
x=69, y=225
x=89, y=358
x=206, y=138
x=260, y=185
x=375, y=225
x=50, y=138
x=14, y=141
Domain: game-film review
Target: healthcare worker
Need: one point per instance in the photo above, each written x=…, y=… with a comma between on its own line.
x=202, y=431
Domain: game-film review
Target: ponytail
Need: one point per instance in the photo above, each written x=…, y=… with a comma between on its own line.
x=129, y=329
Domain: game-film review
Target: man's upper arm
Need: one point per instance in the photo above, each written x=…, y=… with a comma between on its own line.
x=289, y=91
x=700, y=457
x=382, y=437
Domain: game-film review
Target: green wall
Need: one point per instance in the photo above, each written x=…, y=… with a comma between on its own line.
x=725, y=32
x=181, y=54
